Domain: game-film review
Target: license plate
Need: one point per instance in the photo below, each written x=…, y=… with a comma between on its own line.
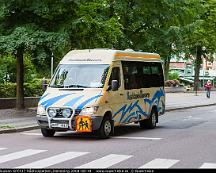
x=83, y=124
x=59, y=125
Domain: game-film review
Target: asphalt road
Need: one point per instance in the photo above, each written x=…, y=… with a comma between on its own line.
x=182, y=139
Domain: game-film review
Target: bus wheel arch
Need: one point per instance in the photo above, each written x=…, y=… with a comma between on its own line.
x=151, y=122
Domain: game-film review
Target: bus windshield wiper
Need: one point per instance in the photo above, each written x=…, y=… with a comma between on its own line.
x=75, y=86
x=56, y=86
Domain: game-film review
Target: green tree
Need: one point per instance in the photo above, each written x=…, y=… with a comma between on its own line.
x=92, y=26
x=201, y=39
x=21, y=31
x=8, y=69
x=155, y=26
x=40, y=28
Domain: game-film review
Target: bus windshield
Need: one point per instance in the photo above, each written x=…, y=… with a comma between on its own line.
x=80, y=76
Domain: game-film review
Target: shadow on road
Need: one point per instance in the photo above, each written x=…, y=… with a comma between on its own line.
x=119, y=131
x=128, y=129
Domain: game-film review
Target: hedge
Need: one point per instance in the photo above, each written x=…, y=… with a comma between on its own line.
x=33, y=89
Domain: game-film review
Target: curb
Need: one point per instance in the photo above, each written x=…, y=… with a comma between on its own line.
x=189, y=107
x=27, y=128
x=20, y=129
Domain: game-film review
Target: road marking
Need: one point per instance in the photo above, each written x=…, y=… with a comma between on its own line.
x=117, y=137
x=106, y=161
x=192, y=118
x=18, y=155
x=197, y=118
x=39, y=134
x=3, y=148
x=139, y=138
x=32, y=134
x=208, y=165
x=53, y=160
x=160, y=163
x=188, y=118
x=212, y=111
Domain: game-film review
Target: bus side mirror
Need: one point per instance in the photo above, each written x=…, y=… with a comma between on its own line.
x=115, y=85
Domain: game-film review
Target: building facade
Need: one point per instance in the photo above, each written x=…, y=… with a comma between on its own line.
x=185, y=70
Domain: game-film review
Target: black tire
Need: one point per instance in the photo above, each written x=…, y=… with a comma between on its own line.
x=105, y=129
x=151, y=122
x=47, y=132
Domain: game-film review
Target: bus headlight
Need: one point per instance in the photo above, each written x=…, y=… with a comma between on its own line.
x=52, y=113
x=89, y=110
x=41, y=110
x=66, y=112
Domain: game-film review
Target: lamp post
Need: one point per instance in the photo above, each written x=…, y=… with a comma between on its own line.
x=196, y=82
x=203, y=77
x=51, y=65
x=203, y=51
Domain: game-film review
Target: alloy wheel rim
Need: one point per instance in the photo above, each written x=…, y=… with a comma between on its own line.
x=153, y=119
x=107, y=128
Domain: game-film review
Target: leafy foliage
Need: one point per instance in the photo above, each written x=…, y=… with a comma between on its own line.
x=173, y=76
x=8, y=69
x=38, y=29
x=7, y=90
x=31, y=89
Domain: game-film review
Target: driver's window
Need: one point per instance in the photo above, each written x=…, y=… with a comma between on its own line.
x=115, y=75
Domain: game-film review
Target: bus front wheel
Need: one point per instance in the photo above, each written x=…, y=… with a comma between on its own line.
x=105, y=128
x=47, y=132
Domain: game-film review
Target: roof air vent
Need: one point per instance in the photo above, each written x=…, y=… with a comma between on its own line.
x=129, y=50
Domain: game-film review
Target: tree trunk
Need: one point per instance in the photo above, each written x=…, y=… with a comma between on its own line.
x=166, y=68
x=19, y=80
x=198, y=62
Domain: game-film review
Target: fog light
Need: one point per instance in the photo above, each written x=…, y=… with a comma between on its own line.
x=66, y=112
x=52, y=113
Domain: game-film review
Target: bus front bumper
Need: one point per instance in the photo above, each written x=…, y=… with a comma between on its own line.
x=43, y=122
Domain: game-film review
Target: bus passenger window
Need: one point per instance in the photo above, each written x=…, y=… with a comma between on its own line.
x=157, y=75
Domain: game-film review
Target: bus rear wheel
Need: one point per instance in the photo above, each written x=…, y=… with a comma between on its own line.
x=47, y=132
x=151, y=122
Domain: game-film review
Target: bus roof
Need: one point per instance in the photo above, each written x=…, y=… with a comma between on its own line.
x=106, y=56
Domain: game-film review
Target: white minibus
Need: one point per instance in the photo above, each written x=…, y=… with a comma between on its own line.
x=95, y=90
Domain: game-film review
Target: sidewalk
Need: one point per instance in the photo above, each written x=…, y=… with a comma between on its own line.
x=176, y=101
x=17, y=121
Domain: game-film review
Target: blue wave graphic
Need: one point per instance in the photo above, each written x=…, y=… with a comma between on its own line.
x=87, y=101
x=73, y=101
x=44, y=96
x=136, y=114
x=139, y=112
x=158, y=95
x=126, y=109
x=51, y=101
